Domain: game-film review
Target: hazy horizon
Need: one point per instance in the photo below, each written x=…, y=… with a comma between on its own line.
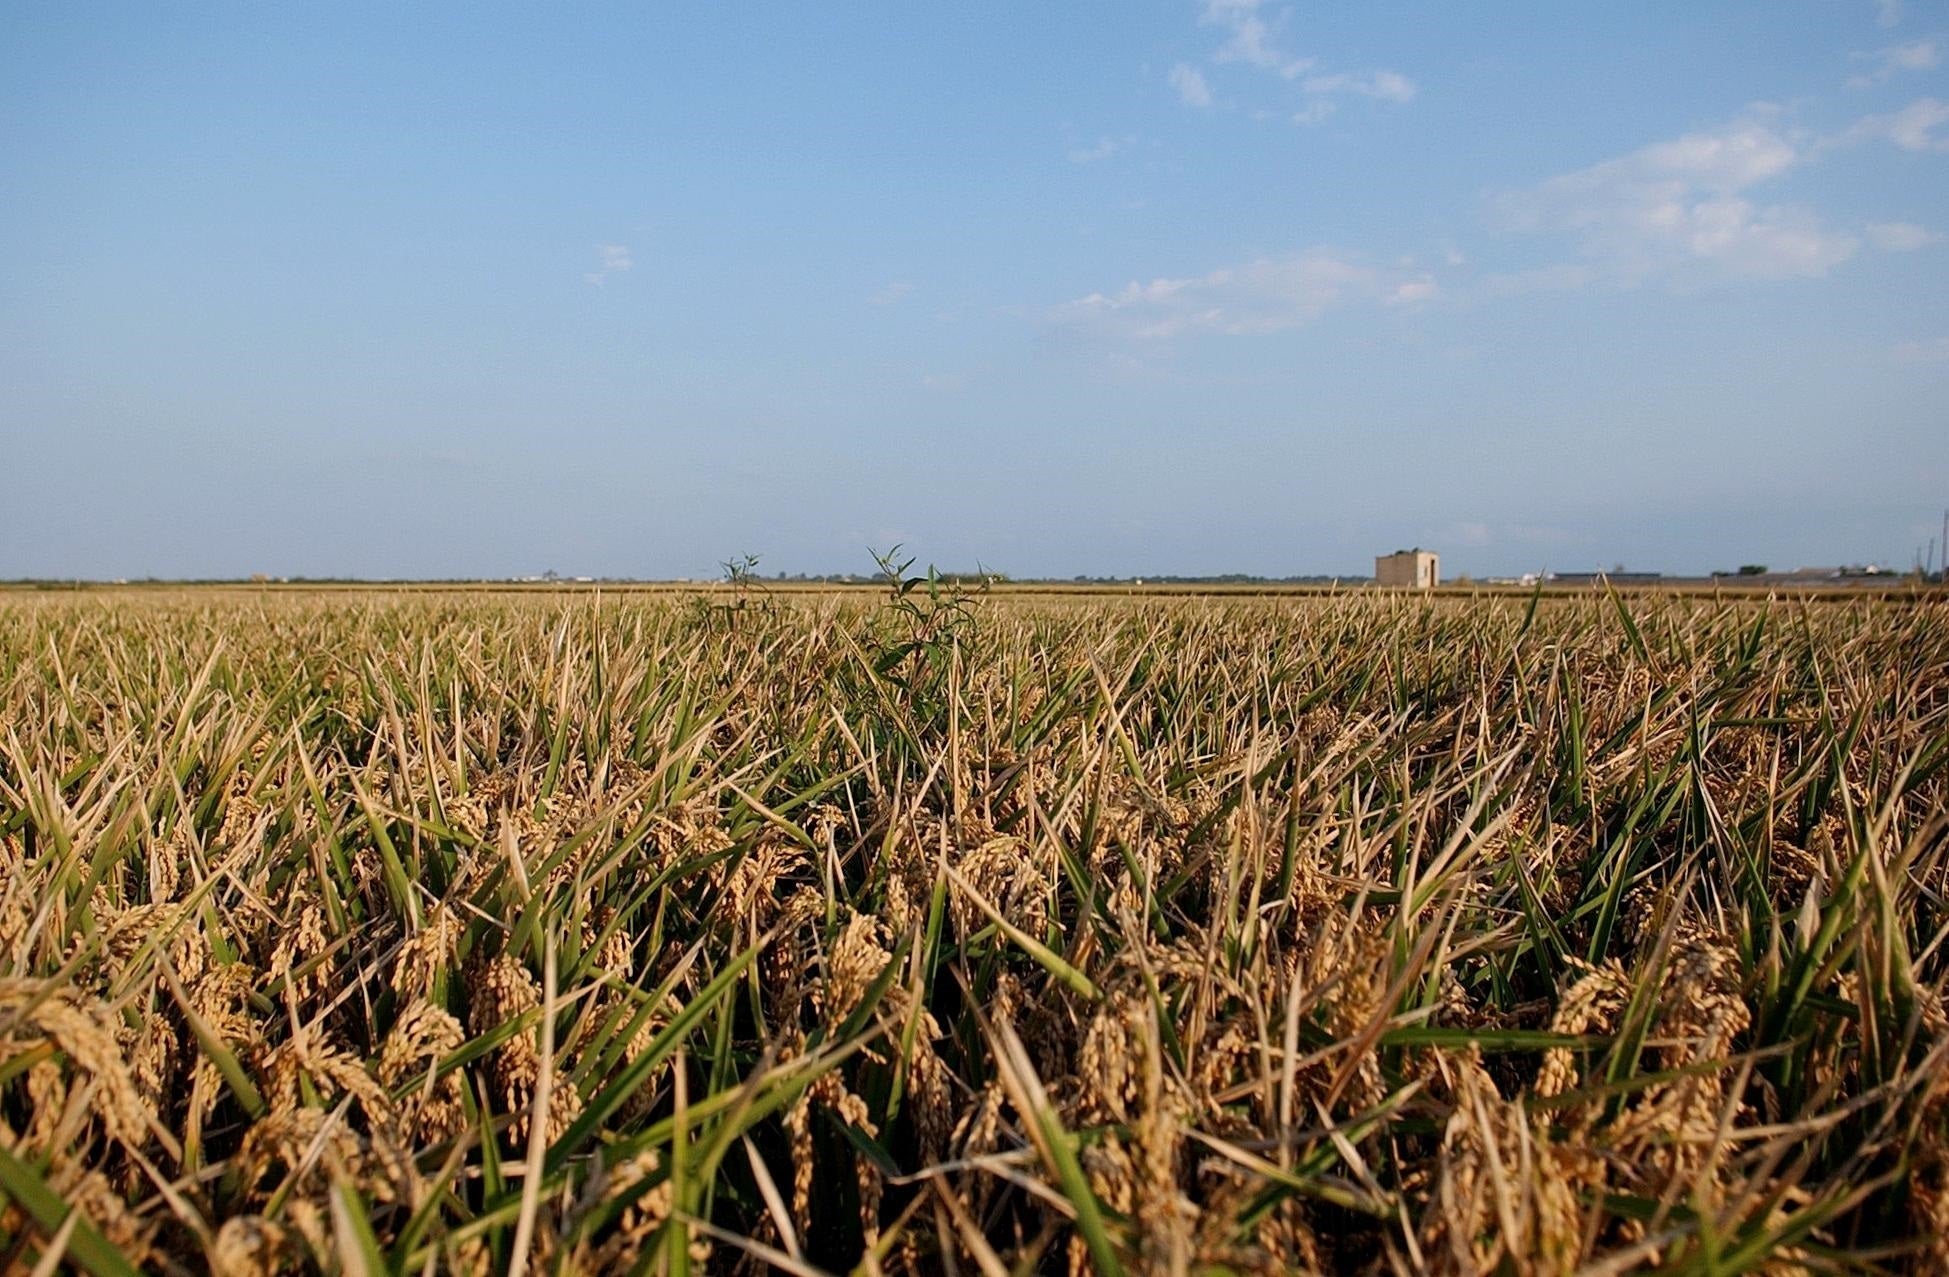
x=1187, y=288
x=764, y=576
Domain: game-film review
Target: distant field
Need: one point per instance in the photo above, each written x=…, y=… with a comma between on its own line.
x=1882, y=587
x=450, y=929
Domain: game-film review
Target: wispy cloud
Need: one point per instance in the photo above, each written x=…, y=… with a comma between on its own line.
x=1935, y=350
x=1250, y=39
x=1387, y=86
x=894, y=292
x=1192, y=88
x=1884, y=64
x=1253, y=39
x=611, y=259
x=1268, y=295
x=1103, y=149
x=1680, y=210
x=1888, y=13
x=1413, y=291
x=1912, y=128
x=1900, y=237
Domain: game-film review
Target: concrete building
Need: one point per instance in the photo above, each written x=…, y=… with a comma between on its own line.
x=1415, y=569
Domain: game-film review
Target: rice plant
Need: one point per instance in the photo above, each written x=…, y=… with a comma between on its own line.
x=400, y=932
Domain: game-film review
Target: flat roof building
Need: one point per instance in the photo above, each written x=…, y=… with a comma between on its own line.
x=1415, y=569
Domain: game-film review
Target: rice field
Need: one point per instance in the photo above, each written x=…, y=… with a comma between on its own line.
x=934, y=933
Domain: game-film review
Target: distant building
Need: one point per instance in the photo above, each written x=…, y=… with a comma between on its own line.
x=1415, y=569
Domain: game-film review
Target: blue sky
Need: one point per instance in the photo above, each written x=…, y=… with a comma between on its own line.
x=1187, y=287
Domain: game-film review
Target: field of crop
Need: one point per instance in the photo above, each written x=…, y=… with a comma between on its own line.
x=562, y=933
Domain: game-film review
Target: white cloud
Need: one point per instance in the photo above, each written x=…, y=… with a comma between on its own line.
x=1268, y=295
x=1103, y=150
x=1935, y=350
x=1888, y=13
x=1249, y=38
x=1918, y=55
x=1900, y=237
x=1189, y=81
x=895, y=291
x=1411, y=291
x=1252, y=40
x=1678, y=210
x=1912, y=128
x=611, y=259
x=1388, y=86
